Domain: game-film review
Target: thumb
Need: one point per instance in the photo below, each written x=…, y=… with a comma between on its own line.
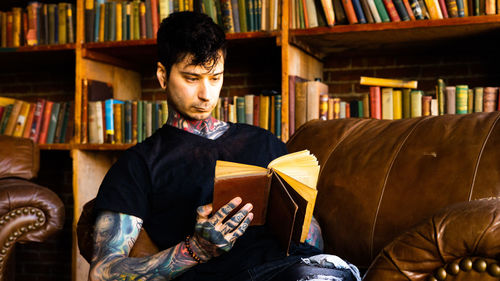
x=204, y=211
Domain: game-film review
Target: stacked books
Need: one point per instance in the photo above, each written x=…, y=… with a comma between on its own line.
x=107, y=20
x=460, y=99
x=38, y=24
x=262, y=110
x=44, y=121
x=310, y=13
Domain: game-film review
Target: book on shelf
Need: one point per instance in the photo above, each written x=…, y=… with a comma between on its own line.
x=283, y=195
x=478, y=99
x=375, y=102
x=416, y=103
x=450, y=92
x=461, y=95
x=387, y=103
x=387, y=82
x=490, y=99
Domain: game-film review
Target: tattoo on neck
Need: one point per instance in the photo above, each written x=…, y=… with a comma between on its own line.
x=209, y=128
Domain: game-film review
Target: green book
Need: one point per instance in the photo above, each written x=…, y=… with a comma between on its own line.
x=112, y=21
x=107, y=23
x=137, y=20
x=240, y=110
x=53, y=122
x=243, y=15
x=360, y=108
x=440, y=96
x=461, y=92
x=64, y=128
x=416, y=103
x=52, y=23
x=125, y=18
x=478, y=99
x=382, y=11
x=406, y=103
x=250, y=18
x=302, y=22
x=139, y=121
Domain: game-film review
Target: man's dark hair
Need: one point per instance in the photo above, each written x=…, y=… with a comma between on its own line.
x=184, y=33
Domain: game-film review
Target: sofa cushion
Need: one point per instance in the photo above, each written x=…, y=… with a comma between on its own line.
x=19, y=157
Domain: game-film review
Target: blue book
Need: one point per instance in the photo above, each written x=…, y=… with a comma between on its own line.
x=97, y=17
x=236, y=15
x=359, y=11
x=128, y=122
x=460, y=8
x=110, y=119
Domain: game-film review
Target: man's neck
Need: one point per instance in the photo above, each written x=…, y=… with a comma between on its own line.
x=209, y=128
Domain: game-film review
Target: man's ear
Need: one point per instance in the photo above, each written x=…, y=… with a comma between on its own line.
x=161, y=74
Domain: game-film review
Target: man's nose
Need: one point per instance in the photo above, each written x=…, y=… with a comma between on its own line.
x=204, y=90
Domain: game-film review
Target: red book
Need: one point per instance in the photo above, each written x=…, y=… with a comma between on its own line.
x=45, y=122
x=256, y=110
x=349, y=11
x=29, y=121
x=154, y=16
x=375, y=104
x=444, y=10
x=2, y=109
x=37, y=120
x=391, y=10
x=347, y=110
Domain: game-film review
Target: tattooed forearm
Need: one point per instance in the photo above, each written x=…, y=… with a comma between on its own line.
x=114, y=237
x=314, y=237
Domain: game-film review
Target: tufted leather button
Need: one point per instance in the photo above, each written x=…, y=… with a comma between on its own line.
x=480, y=265
x=441, y=274
x=466, y=264
x=453, y=268
x=494, y=270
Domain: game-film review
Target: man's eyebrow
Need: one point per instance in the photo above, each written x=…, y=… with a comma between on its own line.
x=198, y=75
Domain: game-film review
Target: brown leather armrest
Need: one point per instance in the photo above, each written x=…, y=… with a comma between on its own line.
x=19, y=157
x=28, y=213
x=464, y=230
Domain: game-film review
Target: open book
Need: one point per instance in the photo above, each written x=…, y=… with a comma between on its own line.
x=283, y=195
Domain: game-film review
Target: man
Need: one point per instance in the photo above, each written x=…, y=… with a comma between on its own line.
x=165, y=183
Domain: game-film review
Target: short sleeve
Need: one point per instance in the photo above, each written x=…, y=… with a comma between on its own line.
x=125, y=187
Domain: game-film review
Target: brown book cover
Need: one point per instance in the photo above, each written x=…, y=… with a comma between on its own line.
x=292, y=84
x=314, y=89
x=450, y=101
x=256, y=110
x=349, y=11
x=117, y=115
x=366, y=11
x=9, y=130
x=340, y=16
x=283, y=194
x=142, y=21
x=21, y=120
x=489, y=99
x=426, y=105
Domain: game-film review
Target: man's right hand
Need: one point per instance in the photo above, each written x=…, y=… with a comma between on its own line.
x=212, y=237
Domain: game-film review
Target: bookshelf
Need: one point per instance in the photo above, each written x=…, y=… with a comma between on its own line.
x=301, y=52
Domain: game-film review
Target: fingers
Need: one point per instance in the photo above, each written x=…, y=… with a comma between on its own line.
x=224, y=210
x=236, y=219
x=204, y=211
x=241, y=228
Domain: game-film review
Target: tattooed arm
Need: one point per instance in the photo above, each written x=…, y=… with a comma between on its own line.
x=116, y=233
x=314, y=237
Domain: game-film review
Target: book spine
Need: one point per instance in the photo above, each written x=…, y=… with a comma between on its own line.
x=46, y=121
x=29, y=121
x=240, y=110
x=443, y=8
x=128, y=122
x=60, y=122
x=409, y=9
x=37, y=120
x=64, y=130
x=149, y=19
x=366, y=11
x=387, y=104
x=148, y=118
x=490, y=7
x=406, y=103
x=256, y=111
x=470, y=100
x=450, y=99
x=416, y=103
x=374, y=11
x=249, y=109
x=359, y=11
x=142, y=21
x=70, y=23
x=323, y=107
x=5, y=118
x=9, y=130
x=461, y=93
x=331, y=108
x=61, y=7
x=53, y=122
x=391, y=10
x=440, y=96
x=117, y=119
x=375, y=102
x=277, y=114
x=154, y=17
x=21, y=120
x=426, y=105
x=336, y=108
x=349, y=11
x=385, y=82
x=382, y=11
x=366, y=106
x=134, y=121
x=89, y=20
x=140, y=127
x=236, y=15
x=397, y=97
x=401, y=10
x=460, y=8
x=489, y=99
x=478, y=99
x=227, y=16
x=110, y=122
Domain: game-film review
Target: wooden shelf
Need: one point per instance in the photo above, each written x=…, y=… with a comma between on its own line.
x=408, y=35
x=55, y=146
x=33, y=56
x=105, y=146
x=142, y=54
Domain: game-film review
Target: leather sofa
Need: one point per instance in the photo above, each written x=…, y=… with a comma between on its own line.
x=28, y=212
x=411, y=199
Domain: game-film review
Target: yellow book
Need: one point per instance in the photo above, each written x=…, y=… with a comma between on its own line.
x=21, y=120
x=11, y=124
x=119, y=29
x=283, y=195
x=164, y=9
x=384, y=82
x=61, y=23
x=366, y=106
x=434, y=9
x=416, y=103
x=101, y=22
x=397, y=99
x=387, y=104
x=4, y=101
x=16, y=27
x=264, y=112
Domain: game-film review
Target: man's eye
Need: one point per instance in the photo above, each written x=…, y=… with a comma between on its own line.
x=192, y=79
x=217, y=78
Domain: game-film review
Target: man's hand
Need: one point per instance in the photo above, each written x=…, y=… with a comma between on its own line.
x=212, y=237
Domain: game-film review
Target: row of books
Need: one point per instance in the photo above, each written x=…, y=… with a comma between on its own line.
x=313, y=13
x=44, y=121
x=263, y=110
x=107, y=20
x=38, y=24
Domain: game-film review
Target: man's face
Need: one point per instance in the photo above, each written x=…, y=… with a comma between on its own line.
x=193, y=90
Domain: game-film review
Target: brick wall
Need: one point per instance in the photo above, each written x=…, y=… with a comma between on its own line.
x=342, y=73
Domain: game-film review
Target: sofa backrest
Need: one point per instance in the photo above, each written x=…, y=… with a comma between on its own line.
x=379, y=178
x=19, y=157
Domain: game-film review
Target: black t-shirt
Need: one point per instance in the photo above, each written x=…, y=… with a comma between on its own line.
x=165, y=178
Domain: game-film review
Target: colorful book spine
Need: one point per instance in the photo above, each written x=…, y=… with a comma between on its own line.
x=53, y=122
x=461, y=93
x=470, y=100
x=358, y=9
x=416, y=9
x=110, y=122
x=401, y=10
x=277, y=115
x=478, y=99
x=391, y=10
x=349, y=11
x=46, y=121
x=416, y=103
x=397, y=98
x=375, y=102
x=440, y=96
x=406, y=103
x=490, y=99
x=387, y=104
x=426, y=105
